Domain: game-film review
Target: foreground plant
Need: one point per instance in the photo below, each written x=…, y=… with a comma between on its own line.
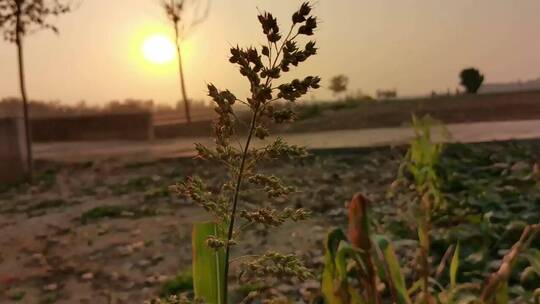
x=213, y=242
x=364, y=268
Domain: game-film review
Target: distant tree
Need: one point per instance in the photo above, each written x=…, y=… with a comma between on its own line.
x=472, y=80
x=338, y=84
x=19, y=18
x=184, y=15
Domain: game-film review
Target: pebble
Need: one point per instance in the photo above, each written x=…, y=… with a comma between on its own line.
x=87, y=276
x=151, y=280
x=126, y=250
x=102, y=230
x=51, y=287
x=137, y=245
x=115, y=276
x=127, y=214
x=157, y=257
x=143, y=263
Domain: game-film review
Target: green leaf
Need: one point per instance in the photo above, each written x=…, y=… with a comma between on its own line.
x=388, y=263
x=344, y=252
x=331, y=284
x=533, y=256
x=454, y=266
x=208, y=265
x=501, y=297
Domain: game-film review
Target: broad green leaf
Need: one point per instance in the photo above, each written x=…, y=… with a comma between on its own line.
x=533, y=256
x=331, y=285
x=454, y=266
x=388, y=263
x=208, y=265
x=527, y=274
x=501, y=296
x=344, y=253
x=346, y=292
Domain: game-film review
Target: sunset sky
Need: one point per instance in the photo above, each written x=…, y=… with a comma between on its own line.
x=414, y=46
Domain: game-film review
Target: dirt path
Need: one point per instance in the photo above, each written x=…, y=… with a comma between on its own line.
x=470, y=132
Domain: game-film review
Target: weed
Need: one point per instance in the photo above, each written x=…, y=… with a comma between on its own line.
x=101, y=212
x=374, y=260
x=41, y=207
x=181, y=283
x=17, y=295
x=133, y=185
x=262, y=68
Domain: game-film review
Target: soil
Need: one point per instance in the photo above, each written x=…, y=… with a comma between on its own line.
x=109, y=231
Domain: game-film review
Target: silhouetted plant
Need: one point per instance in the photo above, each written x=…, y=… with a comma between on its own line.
x=338, y=84
x=262, y=68
x=19, y=18
x=184, y=15
x=472, y=80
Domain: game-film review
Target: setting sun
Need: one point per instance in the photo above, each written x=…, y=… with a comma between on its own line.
x=158, y=49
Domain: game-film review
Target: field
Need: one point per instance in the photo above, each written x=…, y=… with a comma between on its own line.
x=110, y=232
x=353, y=114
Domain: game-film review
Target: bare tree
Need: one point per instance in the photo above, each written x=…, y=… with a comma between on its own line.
x=19, y=18
x=184, y=15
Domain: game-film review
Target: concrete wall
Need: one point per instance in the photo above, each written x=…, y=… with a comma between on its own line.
x=12, y=150
x=129, y=126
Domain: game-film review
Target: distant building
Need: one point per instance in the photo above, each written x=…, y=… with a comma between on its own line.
x=386, y=94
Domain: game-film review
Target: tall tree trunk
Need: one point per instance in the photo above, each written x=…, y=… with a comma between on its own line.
x=181, y=73
x=19, y=43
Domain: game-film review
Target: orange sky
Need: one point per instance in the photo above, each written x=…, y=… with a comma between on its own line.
x=414, y=46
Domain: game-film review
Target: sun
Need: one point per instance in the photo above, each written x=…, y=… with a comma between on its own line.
x=158, y=49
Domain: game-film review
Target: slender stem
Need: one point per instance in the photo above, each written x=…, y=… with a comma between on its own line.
x=424, y=245
x=240, y=177
x=28, y=134
x=235, y=199
x=282, y=46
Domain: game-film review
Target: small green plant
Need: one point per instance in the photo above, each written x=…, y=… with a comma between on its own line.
x=181, y=283
x=213, y=242
x=364, y=268
x=101, y=212
x=17, y=295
